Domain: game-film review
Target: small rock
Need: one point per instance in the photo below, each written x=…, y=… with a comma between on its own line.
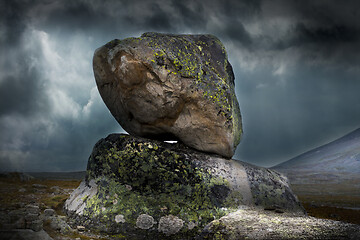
x=191, y=225
x=33, y=209
x=145, y=221
x=31, y=217
x=56, y=190
x=119, y=218
x=170, y=225
x=22, y=190
x=80, y=228
x=59, y=224
x=49, y=212
x=36, y=225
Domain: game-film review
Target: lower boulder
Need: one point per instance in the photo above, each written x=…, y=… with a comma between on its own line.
x=139, y=188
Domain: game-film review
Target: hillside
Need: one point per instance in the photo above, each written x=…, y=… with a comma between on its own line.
x=327, y=179
x=341, y=156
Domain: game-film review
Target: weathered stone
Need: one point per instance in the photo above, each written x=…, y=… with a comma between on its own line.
x=153, y=179
x=49, y=212
x=32, y=209
x=56, y=189
x=171, y=87
x=119, y=218
x=36, y=225
x=170, y=225
x=145, y=221
x=80, y=228
x=31, y=217
x=58, y=224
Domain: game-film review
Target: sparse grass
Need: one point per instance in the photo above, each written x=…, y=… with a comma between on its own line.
x=345, y=188
x=56, y=202
x=342, y=201
x=333, y=213
x=330, y=201
x=11, y=197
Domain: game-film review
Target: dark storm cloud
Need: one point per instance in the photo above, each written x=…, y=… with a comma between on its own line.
x=313, y=108
x=12, y=23
x=326, y=27
x=22, y=93
x=21, y=90
x=296, y=67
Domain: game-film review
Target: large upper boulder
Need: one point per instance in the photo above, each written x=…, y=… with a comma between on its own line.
x=171, y=87
x=139, y=187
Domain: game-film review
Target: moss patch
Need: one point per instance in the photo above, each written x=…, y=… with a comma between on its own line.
x=136, y=176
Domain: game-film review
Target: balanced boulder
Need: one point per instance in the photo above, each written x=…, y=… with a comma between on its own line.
x=171, y=87
x=148, y=189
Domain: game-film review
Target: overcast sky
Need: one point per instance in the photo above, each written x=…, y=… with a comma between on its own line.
x=296, y=66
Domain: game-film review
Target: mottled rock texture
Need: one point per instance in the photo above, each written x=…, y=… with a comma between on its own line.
x=153, y=185
x=266, y=225
x=170, y=87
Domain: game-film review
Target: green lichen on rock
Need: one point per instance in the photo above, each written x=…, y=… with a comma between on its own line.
x=195, y=56
x=168, y=87
x=135, y=176
x=147, y=188
x=271, y=189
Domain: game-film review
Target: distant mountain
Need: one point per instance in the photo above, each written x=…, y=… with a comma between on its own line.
x=341, y=156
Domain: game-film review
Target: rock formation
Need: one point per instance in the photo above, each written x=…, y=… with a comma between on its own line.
x=141, y=187
x=170, y=87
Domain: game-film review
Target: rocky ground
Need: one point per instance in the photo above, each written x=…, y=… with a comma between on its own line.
x=32, y=209
x=266, y=224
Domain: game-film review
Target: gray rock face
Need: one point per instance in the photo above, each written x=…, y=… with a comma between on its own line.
x=171, y=87
x=137, y=186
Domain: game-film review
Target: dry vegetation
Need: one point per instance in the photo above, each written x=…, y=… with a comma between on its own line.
x=14, y=193
x=339, y=202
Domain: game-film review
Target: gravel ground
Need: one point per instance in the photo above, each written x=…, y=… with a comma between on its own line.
x=260, y=224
